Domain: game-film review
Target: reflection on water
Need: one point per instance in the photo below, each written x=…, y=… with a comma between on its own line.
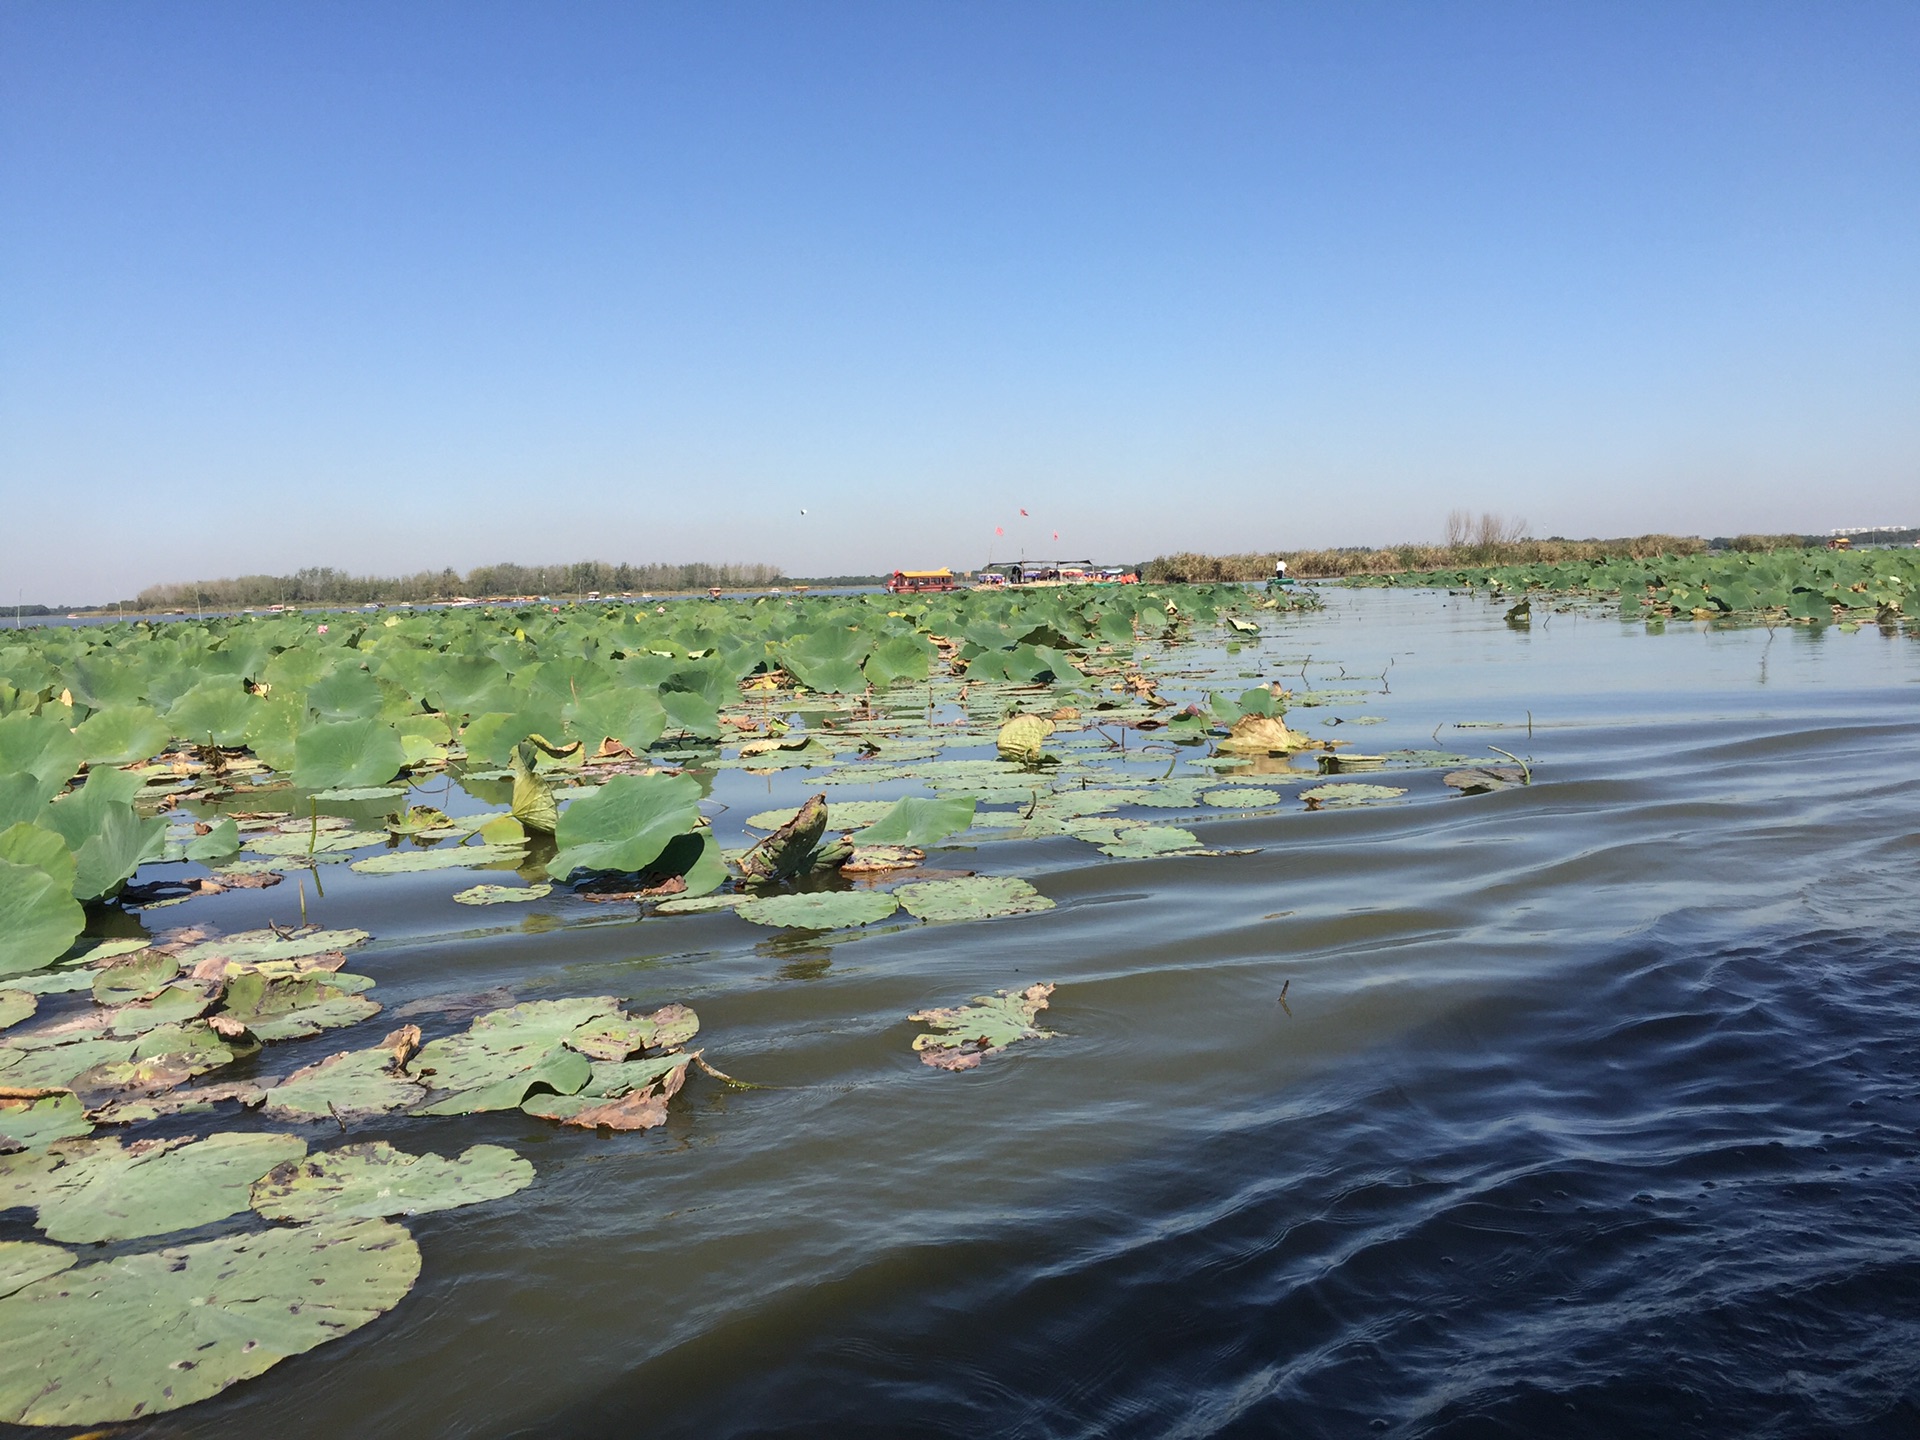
x=1591, y=1110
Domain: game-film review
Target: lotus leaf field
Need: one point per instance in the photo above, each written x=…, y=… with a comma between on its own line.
x=1818, y=587
x=187, y=1092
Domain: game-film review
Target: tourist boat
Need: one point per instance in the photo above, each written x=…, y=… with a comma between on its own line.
x=914, y=582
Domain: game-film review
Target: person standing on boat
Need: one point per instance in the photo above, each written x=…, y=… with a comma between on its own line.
x=1280, y=571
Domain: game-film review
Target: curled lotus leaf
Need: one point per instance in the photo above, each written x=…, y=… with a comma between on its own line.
x=634, y=1098
x=24, y=1261
x=346, y=1086
x=38, y=918
x=147, y=1333
x=502, y=894
x=368, y=1181
x=1022, y=736
x=1350, y=794
x=820, y=910
x=1241, y=797
x=789, y=850
x=533, y=803
x=410, y=862
x=30, y=1119
x=972, y=897
x=962, y=1034
x=292, y=1007
x=916, y=821
x=97, y=1188
x=1263, y=735
x=505, y=1055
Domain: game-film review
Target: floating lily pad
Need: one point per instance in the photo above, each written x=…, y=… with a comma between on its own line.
x=965, y=1033
x=1241, y=797
x=24, y=1261
x=615, y=1037
x=699, y=904
x=976, y=897
x=266, y=948
x=502, y=894
x=822, y=910
x=95, y=1189
x=149, y=1333
x=57, y=1066
x=29, y=1121
x=842, y=814
x=630, y=1096
x=507, y=1054
x=346, y=1086
x=1141, y=842
x=1482, y=779
x=409, y=862
x=1350, y=794
x=362, y=792
x=15, y=1006
x=368, y=1181
x=301, y=842
x=291, y=1007
x=134, y=977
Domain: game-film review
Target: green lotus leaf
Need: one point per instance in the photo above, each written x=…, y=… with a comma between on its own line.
x=41, y=848
x=346, y=694
x=94, y=1189
x=219, y=710
x=1141, y=842
x=65, y=980
x=15, y=1006
x=628, y=1096
x=695, y=714
x=348, y=1085
x=418, y=820
x=174, y=1004
x=612, y=1079
x=630, y=717
x=134, y=977
x=24, y=1261
x=38, y=918
x=368, y=1181
x=501, y=894
x=122, y=735
x=625, y=824
x=291, y=1007
x=408, y=862
x=42, y=747
x=1241, y=797
x=903, y=657
x=270, y=947
x=962, y=1034
x=148, y=1333
x=973, y=897
x=828, y=659
x=109, y=842
x=343, y=754
x=918, y=822
x=219, y=842
x=28, y=1122
x=506, y=1054
x=1350, y=794
x=821, y=910
x=533, y=803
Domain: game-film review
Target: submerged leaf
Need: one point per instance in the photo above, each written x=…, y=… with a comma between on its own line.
x=964, y=1033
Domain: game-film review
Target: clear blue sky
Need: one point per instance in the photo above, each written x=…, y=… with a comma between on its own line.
x=396, y=286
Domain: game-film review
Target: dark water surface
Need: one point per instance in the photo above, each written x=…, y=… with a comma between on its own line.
x=1593, y=1107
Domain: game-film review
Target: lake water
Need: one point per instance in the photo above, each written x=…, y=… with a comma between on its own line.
x=1592, y=1107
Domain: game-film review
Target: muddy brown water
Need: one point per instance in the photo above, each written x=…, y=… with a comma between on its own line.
x=1592, y=1109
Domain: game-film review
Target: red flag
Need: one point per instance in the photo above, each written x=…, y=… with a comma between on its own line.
x=998, y=531
x=1056, y=534
x=1023, y=512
